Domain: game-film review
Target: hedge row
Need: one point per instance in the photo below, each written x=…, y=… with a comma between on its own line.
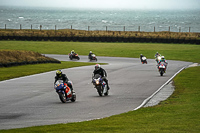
x=25, y=63
x=102, y=39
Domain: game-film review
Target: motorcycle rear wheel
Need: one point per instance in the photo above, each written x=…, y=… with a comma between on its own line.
x=73, y=97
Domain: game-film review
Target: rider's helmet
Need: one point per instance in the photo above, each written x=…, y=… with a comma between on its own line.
x=97, y=67
x=163, y=57
x=72, y=50
x=90, y=51
x=59, y=73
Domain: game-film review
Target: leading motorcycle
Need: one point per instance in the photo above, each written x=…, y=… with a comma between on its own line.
x=100, y=85
x=64, y=92
x=74, y=56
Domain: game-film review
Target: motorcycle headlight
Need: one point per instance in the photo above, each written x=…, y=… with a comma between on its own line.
x=97, y=81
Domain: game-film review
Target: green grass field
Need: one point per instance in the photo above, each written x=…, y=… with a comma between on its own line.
x=184, y=52
x=180, y=113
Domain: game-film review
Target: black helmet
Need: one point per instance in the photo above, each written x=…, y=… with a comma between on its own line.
x=59, y=73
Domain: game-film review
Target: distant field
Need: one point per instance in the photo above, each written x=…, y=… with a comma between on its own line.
x=183, y=52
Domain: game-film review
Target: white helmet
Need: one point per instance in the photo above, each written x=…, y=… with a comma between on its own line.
x=162, y=57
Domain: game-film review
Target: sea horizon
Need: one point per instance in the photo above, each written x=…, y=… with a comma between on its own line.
x=100, y=19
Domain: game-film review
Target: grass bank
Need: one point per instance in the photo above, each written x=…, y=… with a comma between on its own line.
x=180, y=113
x=20, y=57
x=183, y=52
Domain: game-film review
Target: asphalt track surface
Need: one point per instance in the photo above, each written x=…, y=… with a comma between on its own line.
x=32, y=100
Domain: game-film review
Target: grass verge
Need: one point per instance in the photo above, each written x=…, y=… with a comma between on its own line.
x=180, y=113
x=183, y=52
x=19, y=71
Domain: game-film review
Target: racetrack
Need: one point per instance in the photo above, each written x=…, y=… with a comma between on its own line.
x=32, y=100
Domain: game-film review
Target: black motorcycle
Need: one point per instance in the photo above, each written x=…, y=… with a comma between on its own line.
x=92, y=57
x=100, y=85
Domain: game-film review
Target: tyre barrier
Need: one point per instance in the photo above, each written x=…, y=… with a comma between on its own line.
x=10, y=64
x=102, y=39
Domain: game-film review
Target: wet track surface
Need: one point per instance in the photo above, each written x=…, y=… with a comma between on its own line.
x=32, y=100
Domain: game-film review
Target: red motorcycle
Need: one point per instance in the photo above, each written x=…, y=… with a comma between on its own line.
x=74, y=56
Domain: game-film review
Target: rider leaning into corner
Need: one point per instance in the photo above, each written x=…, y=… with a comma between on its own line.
x=102, y=72
x=63, y=77
x=163, y=60
x=72, y=52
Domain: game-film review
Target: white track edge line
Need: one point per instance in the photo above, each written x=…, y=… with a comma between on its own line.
x=146, y=100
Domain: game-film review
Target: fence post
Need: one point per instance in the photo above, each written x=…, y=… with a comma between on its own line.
x=71, y=27
x=106, y=28
x=189, y=29
x=154, y=29
x=169, y=28
x=40, y=27
x=5, y=26
x=139, y=28
x=124, y=28
x=88, y=28
x=31, y=27
x=20, y=26
x=55, y=29
x=179, y=29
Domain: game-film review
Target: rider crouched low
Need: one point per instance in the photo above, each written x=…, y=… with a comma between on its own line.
x=63, y=77
x=102, y=72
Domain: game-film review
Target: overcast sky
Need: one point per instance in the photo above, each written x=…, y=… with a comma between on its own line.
x=109, y=4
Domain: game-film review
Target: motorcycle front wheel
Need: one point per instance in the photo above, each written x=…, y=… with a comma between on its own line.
x=62, y=97
x=161, y=72
x=99, y=90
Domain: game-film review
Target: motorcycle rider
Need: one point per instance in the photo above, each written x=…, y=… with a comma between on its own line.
x=141, y=57
x=102, y=72
x=157, y=54
x=163, y=60
x=90, y=55
x=61, y=76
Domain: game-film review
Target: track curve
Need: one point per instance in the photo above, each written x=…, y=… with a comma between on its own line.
x=32, y=101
